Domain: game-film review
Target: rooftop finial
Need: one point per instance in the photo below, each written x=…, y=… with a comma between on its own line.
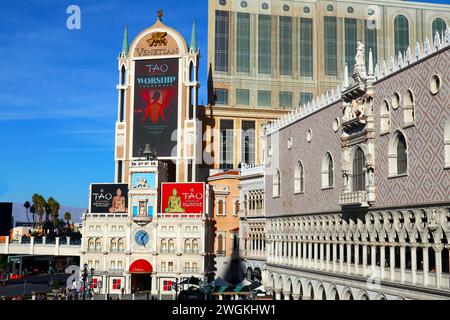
x=125, y=42
x=193, y=47
x=370, y=62
x=160, y=15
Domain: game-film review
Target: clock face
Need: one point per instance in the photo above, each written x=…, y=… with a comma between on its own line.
x=142, y=238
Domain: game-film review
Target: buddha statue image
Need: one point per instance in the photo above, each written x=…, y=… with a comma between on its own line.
x=174, y=203
x=118, y=203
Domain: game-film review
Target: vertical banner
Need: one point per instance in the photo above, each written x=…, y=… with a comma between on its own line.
x=156, y=106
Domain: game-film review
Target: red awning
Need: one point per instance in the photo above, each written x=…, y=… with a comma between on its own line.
x=141, y=267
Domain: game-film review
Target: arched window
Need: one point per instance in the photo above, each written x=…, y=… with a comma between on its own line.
x=401, y=34
x=277, y=184
x=359, y=174
x=98, y=245
x=409, y=108
x=187, y=246
x=195, y=248
x=327, y=172
x=120, y=245
x=163, y=246
x=398, y=155
x=299, y=178
x=113, y=245
x=447, y=144
x=402, y=156
x=91, y=245
x=123, y=76
x=439, y=26
x=385, y=116
x=171, y=246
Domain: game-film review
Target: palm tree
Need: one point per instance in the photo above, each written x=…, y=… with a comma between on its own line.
x=39, y=204
x=67, y=217
x=27, y=206
x=54, y=209
x=33, y=212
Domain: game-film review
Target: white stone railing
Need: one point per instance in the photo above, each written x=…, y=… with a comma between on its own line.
x=59, y=248
x=251, y=169
x=353, y=198
x=381, y=71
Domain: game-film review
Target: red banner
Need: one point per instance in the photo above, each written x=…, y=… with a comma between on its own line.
x=179, y=198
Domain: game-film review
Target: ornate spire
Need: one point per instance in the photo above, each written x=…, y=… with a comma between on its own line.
x=125, y=47
x=370, y=62
x=193, y=47
x=160, y=15
x=346, y=82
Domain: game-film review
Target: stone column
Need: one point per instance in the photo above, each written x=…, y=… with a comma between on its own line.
x=328, y=258
x=414, y=263
x=310, y=254
x=374, y=258
x=402, y=264
x=382, y=261
x=322, y=255
x=296, y=297
x=287, y=296
x=341, y=260
x=349, y=258
x=438, y=254
x=335, y=250
x=277, y=294
x=289, y=253
x=392, y=262
x=364, y=257
x=304, y=255
x=356, y=258
x=426, y=265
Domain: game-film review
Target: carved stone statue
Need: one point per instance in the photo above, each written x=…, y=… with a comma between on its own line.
x=360, y=54
x=358, y=108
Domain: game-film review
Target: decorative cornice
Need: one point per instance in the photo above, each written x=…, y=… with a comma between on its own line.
x=382, y=70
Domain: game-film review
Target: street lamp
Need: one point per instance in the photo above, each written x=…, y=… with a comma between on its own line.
x=84, y=278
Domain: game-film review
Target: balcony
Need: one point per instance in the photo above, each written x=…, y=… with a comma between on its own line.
x=354, y=199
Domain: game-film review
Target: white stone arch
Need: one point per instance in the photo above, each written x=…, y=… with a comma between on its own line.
x=288, y=288
x=393, y=152
x=347, y=294
x=320, y=293
x=333, y=293
x=298, y=287
x=279, y=282
x=308, y=292
x=363, y=295
x=380, y=296
x=447, y=145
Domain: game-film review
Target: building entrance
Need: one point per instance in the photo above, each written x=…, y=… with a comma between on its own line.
x=141, y=283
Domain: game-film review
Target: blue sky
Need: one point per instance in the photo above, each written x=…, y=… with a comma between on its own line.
x=58, y=101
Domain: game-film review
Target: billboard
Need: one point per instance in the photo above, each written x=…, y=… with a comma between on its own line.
x=143, y=181
x=183, y=198
x=6, y=218
x=156, y=106
x=109, y=198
